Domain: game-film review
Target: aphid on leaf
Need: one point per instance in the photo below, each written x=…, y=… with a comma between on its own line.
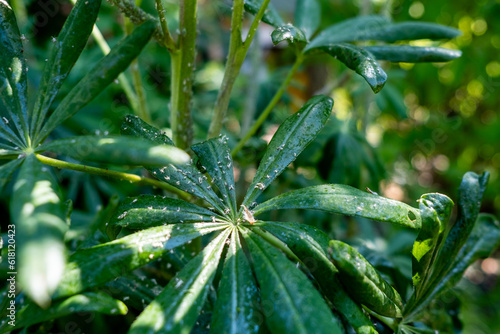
x=248, y=215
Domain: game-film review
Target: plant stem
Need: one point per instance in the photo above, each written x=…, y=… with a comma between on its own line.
x=237, y=53
x=270, y=106
x=168, y=40
x=109, y=173
x=182, y=65
x=276, y=243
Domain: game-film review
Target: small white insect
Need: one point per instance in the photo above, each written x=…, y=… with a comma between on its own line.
x=248, y=215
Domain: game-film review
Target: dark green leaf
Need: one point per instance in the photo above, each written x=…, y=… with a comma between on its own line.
x=187, y=178
x=311, y=247
x=484, y=238
x=271, y=15
x=94, y=266
x=409, y=31
x=134, y=126
x=289, y=33
x=65, y=51
x=470, y=194
x=86, y=302
x=338, y=198
x=40, y=221
x=307, y=16
x=215, y=157
x=294, y=134
x=176, y=309
x=435, y=211
x=136, y=291
x=349, y=30
x=148, y=210
x=290, y=302
x=362, y=281
x=237, y=309
x=6, y=171
x=99, y=77
x=119, y=150
x=13, y=84
x=360, y=61
x=412, y=54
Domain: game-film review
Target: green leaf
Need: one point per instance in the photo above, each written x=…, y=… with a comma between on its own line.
x=40, y=224
x=6, y=171
x=13, y=83
x=362, y=281
x=292, y=304
x=412, y=54
x=346, y=200
x=215, y=157
x=435, y=211
x=237, y=309
x=134, y=126
x=99, y=77
x=379, y=28
x=405, y=31
x=94, y=266
x=484, y=238
x=271, y=15
x=176, y=309
x=360, y=61
x=310, y=245
x=294, y=134
x=187, y=178
x=289, y=33
x=119, y=150
x=65, y=51
x=85, y=302
x=470, y=194
x=148, y=210
x=307, y=16
x=348, y=30
x=136, y=291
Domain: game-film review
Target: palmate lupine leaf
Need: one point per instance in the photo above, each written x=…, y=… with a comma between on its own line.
x=484, y=237
x=290, y=303
x=271, y=15
x=310, y=245
x=99, y=77
x=343, y=199
x=65, y=51
x=215, y=156
x=119, y=150
x=412, y=54
x=13, y=83
x=85, y=302
x=176, y=309
x=307, y=16
x=294, y=134
x=238, y=305
x=149, y=210
x=97, y=265
x=362, y=281
x=186, y=177
x=40, y=221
